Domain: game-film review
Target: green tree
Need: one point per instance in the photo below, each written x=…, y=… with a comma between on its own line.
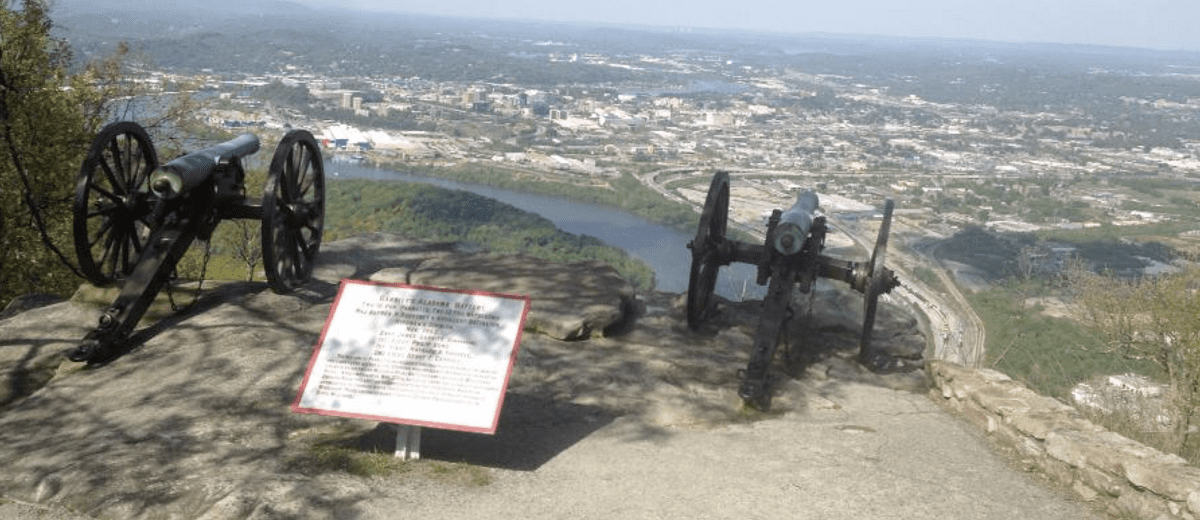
x=47, y=118
x=1153, y=318
x=241, y=239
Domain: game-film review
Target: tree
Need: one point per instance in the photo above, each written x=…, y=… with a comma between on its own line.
x=242, y=239
x=1152, y=318
x=47, y=118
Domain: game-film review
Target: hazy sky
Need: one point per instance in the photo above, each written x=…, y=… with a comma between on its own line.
x=1158, y=24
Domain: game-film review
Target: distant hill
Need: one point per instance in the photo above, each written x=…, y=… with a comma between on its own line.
x=267, y=36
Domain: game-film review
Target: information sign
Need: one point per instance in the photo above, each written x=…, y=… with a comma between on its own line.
x=420, y=356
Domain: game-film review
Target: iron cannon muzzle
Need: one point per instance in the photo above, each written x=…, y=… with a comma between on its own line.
x=166, y=184
x=186, y=173
x=795, y=223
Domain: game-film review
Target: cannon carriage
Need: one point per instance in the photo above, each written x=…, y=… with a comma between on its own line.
x=789, y=259
x=133, y=219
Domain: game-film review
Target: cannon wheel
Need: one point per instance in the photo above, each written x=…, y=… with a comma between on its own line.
x=293, y=211
x=878, y=283
x=112, y=202
x=705, y=250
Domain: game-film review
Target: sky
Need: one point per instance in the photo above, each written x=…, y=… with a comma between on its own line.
x=1154, y=24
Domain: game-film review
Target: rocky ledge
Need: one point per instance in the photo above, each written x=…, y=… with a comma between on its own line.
x=194, y=422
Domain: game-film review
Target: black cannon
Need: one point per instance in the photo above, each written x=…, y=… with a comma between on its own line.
x=789, y=258
x=134, y=220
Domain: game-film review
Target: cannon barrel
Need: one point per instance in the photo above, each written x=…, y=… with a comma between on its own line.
x=185, y=173
x=795, y=223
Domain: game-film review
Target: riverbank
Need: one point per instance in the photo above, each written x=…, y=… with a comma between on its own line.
x=356, y=206
x=623, y=192
x=661, y=247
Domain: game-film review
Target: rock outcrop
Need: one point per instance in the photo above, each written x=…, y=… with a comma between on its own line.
x=194, y=422
x=573, y=301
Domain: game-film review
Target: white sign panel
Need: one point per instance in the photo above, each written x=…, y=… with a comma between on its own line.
x=415, y=355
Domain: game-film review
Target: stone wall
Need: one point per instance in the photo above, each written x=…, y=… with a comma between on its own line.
x=1129, y=479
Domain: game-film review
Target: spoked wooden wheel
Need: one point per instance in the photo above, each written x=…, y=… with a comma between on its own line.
x=706, y=250
x=112, y=202
x=293, y=211
x=880, y=280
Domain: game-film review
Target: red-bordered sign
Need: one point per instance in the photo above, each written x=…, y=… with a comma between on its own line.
x=423, y=356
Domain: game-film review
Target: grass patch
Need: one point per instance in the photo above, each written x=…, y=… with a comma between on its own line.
x=345, y=448
x=459, y=473
x=339, y=456
x=929, y=278
x=327, y=457
x=1049, y=354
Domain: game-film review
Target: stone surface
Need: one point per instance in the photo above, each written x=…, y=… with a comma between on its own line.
x=27, y=360
x=569, y=301
x=1139, y=506
x=1097, y=464
x=28, y=302
x=828, y=322
x=1102, y=482
x=194, y=422
x=1086, y=493
x=1171, y=479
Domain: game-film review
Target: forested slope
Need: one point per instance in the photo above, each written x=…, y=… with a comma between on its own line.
x=432, y=213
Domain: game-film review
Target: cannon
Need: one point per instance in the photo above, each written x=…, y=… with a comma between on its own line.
x=790, y=258
x=134, y=220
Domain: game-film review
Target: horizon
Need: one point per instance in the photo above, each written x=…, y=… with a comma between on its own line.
x=1161, y=25
x=1164, y=25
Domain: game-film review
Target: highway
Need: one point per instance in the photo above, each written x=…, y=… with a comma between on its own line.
x=955, y=332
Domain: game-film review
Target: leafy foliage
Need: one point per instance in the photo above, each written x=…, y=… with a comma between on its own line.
x=47, y=118
x=50, y=110
x=277, y=92
x=1051, y=354
x=1153, y=319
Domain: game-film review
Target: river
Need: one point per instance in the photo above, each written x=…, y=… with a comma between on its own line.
x=663, y=248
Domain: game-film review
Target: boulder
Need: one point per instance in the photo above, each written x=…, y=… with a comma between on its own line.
x=569, y=301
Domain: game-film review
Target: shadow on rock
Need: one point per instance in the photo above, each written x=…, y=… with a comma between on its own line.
x=532, y=431
x=196, y=421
